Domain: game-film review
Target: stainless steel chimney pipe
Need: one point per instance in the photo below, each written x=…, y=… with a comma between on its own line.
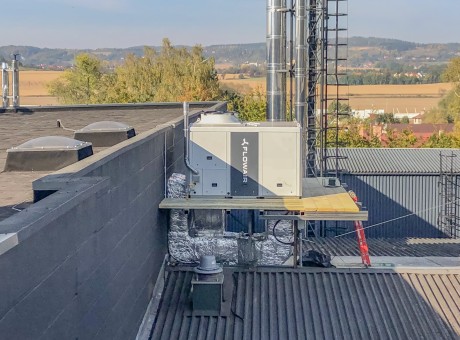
x=276, y=60
x=300, y=70
x=5, y=86
x=15, y=67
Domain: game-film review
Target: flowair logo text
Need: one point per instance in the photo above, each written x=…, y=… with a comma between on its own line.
x=245, y=147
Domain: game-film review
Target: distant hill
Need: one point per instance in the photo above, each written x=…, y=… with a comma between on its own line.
x=362, y=52
x=370, y=52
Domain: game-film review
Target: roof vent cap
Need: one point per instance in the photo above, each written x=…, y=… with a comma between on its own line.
x=208, y=265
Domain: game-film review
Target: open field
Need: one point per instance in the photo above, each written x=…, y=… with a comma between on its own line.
x=392, y=98
x=397, y=98
x=32, y=87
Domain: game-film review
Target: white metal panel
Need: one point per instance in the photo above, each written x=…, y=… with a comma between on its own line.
x=279, y=164
x=215, y=182
x=208, y=149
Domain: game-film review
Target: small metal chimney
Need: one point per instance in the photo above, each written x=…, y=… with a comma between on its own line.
x=5, y=86
x=207, y=284
x=15, y=68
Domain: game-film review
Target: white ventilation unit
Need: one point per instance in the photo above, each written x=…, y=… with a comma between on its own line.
x=236, y=159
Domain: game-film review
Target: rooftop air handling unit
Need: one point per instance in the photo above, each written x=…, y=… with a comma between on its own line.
x=46, y=154
x=231, y=158
x=105, y=133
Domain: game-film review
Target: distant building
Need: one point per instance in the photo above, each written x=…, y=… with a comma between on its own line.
x=409, y=115
x=416, y=120
x=421, y=131
x=363, y=114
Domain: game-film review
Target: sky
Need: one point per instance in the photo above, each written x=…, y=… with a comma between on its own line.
x=126, y=23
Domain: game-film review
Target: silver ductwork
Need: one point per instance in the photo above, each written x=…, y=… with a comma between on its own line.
x=276, y=64
x=276, y=56
x=276, y=60
x=188, y=242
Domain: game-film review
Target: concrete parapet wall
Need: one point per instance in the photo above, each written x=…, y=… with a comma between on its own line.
x=82, y=262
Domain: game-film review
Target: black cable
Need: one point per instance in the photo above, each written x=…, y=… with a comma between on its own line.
x=239, y=317
x=234, y=299
x=276, y=238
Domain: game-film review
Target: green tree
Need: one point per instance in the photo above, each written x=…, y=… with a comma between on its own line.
x=442, y=140
x=449, y=106
x=340, y=108
x=233, y=100
x=386, y=118
x=405, y=139
x=252, y=107
x=452, y=72
x=173, y=74
x=81, y=84
x=349, y=136
x=405, y=120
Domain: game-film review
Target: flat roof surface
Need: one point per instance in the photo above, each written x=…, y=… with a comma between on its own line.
x=29, y=123
x=315, y=303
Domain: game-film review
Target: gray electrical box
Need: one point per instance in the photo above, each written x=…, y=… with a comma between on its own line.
x=236, y=159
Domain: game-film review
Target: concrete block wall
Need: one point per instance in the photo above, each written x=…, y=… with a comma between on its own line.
x=87, y=257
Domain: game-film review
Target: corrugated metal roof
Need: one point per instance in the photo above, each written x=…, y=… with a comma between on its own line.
x=412, y=247
x=388, y=197
x=392, y=161
x=318, y=304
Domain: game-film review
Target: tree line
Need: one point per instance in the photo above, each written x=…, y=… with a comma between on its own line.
x=172, y=74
